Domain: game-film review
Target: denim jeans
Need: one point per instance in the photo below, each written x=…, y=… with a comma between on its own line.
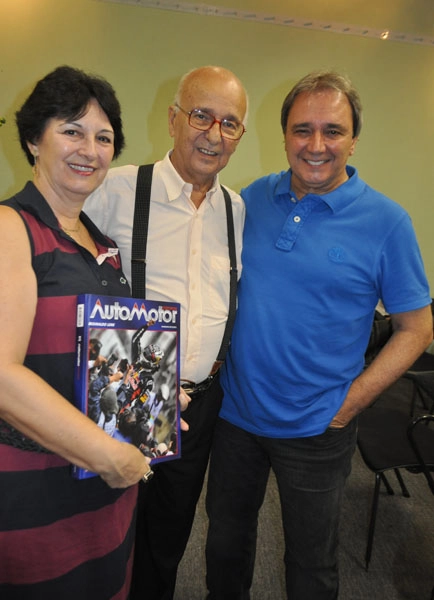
x=310, y=474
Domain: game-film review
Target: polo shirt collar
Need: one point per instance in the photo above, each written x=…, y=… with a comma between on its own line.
x=338, y=198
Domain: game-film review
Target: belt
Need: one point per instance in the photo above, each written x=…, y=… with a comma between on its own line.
x=195, y=389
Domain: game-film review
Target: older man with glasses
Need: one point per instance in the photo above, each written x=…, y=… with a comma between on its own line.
x=187, y=261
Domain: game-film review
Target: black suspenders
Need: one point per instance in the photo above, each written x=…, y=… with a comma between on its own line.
x=140, y=231
x=138, y=252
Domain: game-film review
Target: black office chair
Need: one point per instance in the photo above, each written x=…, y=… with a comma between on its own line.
x=421, y=374
x=413, y=437
x=385, y=446
x=382, y=435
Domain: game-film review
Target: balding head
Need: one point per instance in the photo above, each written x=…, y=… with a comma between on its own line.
x=212, y=75
x=200, y=153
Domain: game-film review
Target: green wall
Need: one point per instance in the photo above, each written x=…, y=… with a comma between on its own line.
x=143, y=52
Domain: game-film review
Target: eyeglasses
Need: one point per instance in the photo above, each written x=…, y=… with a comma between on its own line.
x=203, y=121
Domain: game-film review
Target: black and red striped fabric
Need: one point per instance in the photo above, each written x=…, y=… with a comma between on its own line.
x=60, y=537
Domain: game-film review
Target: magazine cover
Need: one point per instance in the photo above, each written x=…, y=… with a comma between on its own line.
x=127, y=372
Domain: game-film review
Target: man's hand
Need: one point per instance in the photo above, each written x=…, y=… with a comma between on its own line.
x=412, y=332
x=338, y=422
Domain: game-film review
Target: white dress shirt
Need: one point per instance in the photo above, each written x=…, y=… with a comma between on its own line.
x=187, y=259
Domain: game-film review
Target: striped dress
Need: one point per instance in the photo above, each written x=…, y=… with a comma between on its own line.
x=60, y=538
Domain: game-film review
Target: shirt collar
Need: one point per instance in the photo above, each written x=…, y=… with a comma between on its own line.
x=176, y=186
x=32, y=201
x=338, y=199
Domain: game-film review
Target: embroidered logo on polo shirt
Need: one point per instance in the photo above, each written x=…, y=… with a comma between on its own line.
x=337, y=254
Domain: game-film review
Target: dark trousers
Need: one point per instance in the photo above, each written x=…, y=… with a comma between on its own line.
x=310, y=474
x=167, y=504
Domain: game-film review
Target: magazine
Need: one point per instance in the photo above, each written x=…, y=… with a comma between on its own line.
x=127, y=372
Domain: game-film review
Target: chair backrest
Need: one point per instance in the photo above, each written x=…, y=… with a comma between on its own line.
x=421, y=374
x=414, y=430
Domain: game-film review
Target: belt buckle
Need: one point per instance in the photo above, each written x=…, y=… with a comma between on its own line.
x=192, y=388
x=188, y=387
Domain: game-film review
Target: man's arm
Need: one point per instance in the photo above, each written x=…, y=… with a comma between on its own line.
x=412, y=334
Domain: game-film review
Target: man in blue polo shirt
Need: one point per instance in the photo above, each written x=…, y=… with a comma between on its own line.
x=320, y=249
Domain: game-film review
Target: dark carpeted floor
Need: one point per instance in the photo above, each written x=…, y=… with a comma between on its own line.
x=402, y=564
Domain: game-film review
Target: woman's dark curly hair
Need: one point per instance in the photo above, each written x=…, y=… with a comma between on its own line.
x=65, y=93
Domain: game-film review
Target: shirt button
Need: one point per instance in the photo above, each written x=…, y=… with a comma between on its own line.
x=297, y=219
x=104, y=282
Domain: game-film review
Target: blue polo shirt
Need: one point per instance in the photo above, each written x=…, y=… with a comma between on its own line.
x=313, y=272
